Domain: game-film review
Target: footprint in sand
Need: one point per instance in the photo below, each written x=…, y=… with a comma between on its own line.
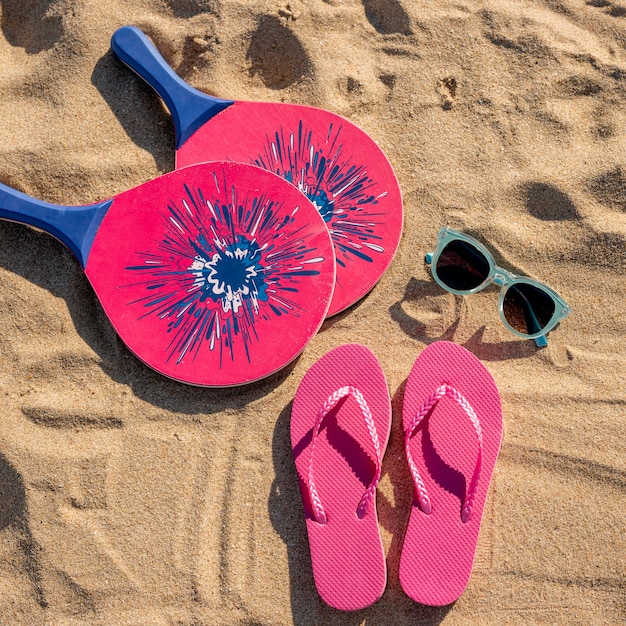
x=276, y=55
x=389, y=80
x=191, y=8
x=609, y=188
x=387, y=17
x=579, y=85
x=588, y=246
x=546, y=202
x=446, y=88
x=34, y=26
x=612, y=9
x=603, y=249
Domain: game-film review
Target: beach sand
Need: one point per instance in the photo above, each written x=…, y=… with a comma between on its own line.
x=128, y=498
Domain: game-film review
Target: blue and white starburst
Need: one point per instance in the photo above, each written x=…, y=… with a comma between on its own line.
x=341, y=190
x=222, y=265
x=232, y=275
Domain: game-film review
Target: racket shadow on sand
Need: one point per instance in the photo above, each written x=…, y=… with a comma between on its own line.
x=146, y=123
x=214, y=275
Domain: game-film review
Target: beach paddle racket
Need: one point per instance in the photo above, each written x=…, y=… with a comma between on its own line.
x=333, y=162
x=216, y=274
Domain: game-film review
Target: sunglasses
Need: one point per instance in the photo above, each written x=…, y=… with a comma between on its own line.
x=462, y=265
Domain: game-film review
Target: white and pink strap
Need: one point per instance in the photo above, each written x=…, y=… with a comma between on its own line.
x=331, y=402
x=420, y=489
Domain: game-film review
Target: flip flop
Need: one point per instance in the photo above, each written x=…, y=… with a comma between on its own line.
x=452, y=422
x=340, y=424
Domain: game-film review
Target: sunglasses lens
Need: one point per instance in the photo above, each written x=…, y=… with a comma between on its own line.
x=528, y=309
x=461, y=266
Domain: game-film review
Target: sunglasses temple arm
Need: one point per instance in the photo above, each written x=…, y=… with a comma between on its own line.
x=541, y=342
x=428, y=259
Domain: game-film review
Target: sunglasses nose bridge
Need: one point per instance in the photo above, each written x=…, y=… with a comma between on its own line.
x=501, y=277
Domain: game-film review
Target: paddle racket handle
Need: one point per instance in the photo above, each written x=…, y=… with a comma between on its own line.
x=74, y=226
x=189, y=107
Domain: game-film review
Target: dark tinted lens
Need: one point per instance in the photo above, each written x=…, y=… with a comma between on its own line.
x=527, y=308
x=461, y=266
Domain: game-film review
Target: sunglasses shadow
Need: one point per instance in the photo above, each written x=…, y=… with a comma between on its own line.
x=418, y=290
x=500, y=350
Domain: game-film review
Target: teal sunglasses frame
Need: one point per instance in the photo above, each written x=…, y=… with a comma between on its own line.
x=499, y=276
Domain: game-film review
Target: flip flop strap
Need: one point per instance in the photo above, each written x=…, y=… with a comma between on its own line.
x=333, y=399
x=420, y=488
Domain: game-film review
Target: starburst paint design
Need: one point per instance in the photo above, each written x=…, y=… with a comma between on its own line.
x=340, y=189
x=220, y=267
x=231, y=276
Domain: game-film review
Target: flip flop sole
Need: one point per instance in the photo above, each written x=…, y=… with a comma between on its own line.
x=346, y=552
x=439, y=548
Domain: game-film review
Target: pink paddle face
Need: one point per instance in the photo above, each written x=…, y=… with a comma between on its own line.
x=334, y=163
x=214, y=275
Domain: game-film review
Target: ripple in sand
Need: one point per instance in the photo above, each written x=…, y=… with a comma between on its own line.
x=54, y=418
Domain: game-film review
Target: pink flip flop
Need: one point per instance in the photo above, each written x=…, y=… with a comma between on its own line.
x=453, y=428
x=340, y=424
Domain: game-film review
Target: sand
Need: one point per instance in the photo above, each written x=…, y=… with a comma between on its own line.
x=127, y=498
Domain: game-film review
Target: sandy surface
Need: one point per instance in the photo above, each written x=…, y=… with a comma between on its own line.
x=127, y=498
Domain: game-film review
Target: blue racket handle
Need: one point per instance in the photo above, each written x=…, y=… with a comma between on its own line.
x=74, y=226
x=189, y=107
